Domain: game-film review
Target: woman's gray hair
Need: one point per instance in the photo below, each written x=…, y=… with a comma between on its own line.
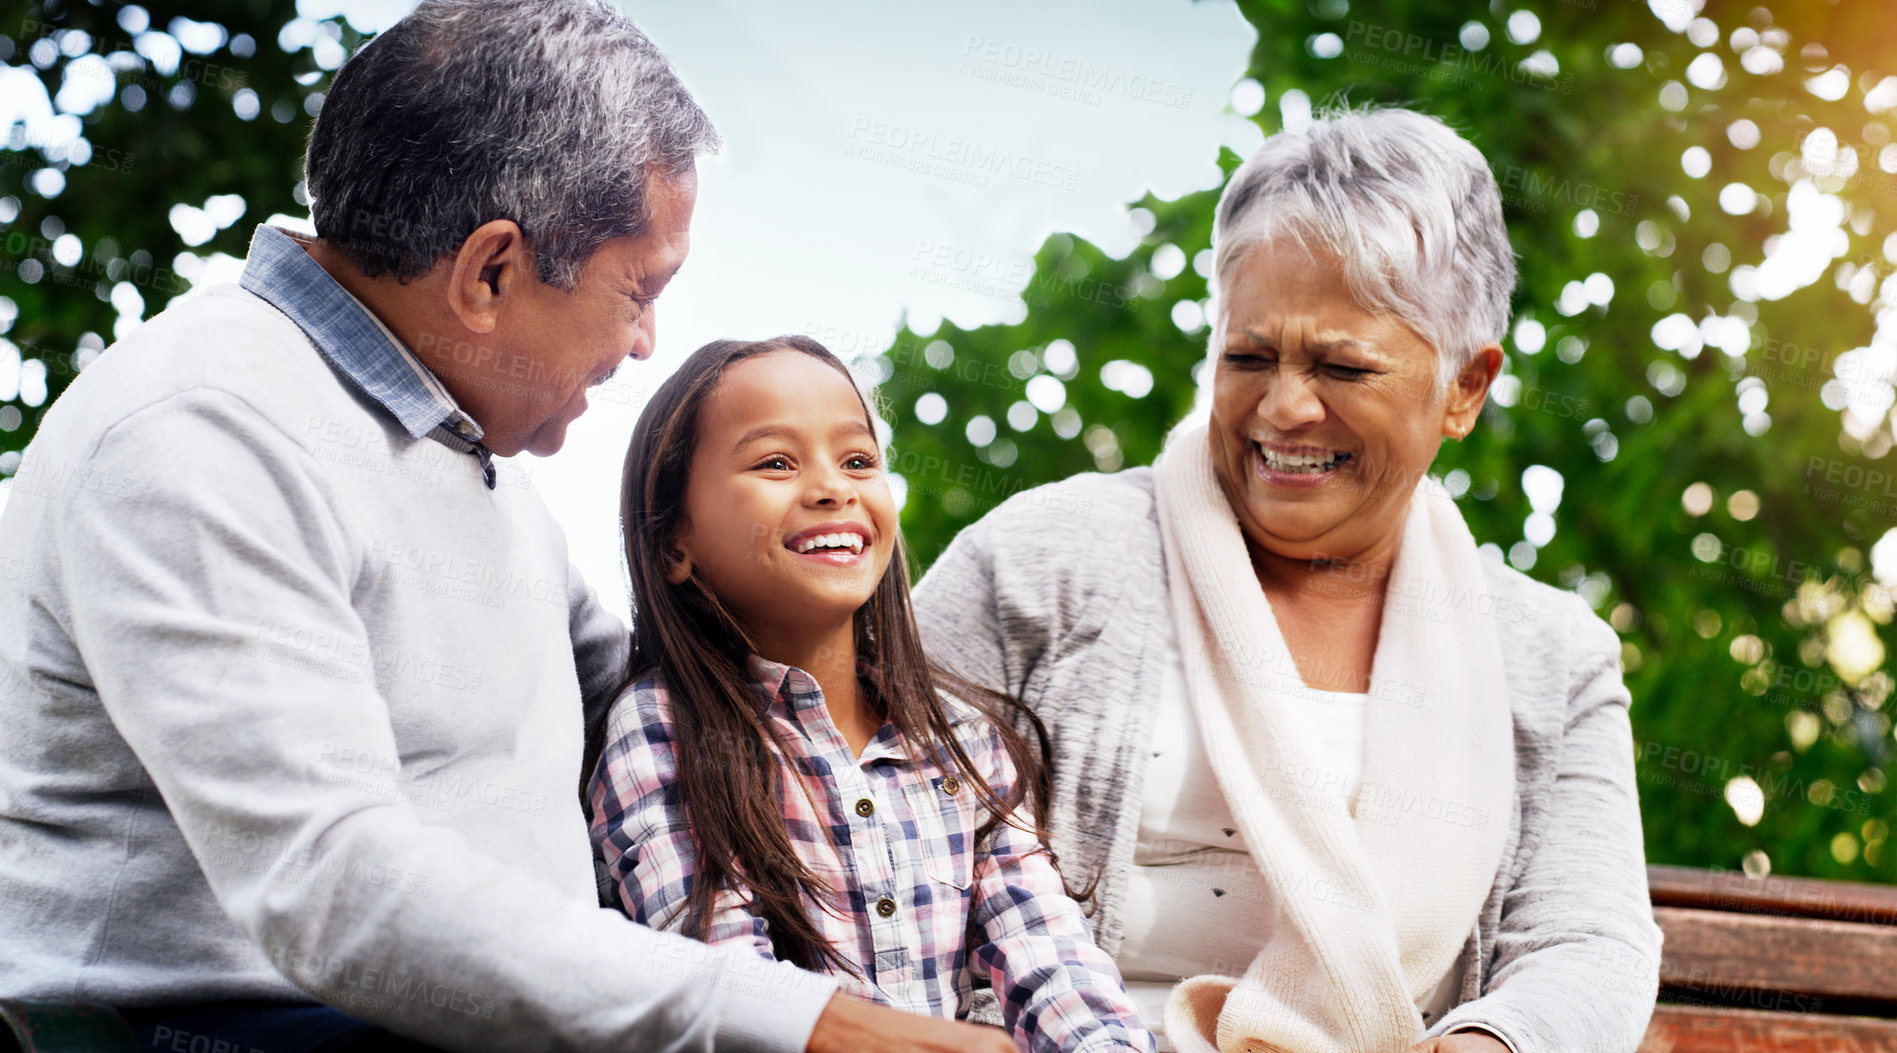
x=1409, y=207
x=551, y=113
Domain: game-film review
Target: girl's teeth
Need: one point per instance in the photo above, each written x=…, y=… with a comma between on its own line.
x=853, y=542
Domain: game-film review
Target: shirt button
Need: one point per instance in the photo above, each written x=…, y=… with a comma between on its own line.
x=885, y=906
x=866, y=808
x=464, y=428
x=950, y=785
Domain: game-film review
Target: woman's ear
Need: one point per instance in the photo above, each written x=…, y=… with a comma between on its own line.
x=1468, y=391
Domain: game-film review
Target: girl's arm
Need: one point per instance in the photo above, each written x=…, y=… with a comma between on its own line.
x=640, y=828
x=1058, y=991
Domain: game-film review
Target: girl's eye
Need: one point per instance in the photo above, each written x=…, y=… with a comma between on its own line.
x=775, y=464
x=862, y=462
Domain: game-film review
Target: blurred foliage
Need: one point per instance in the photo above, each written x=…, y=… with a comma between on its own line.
x=151, y=140
x=1721, y=424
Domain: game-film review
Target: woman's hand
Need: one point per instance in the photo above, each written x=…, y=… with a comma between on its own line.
x=1461, y=1042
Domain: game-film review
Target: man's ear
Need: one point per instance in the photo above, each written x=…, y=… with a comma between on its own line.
x=492, y=263
x=1470, y=389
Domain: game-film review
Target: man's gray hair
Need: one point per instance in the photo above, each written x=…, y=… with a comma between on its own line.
x=1409, y=207
x=550, y=113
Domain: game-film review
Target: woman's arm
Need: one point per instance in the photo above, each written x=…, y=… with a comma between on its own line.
x=640, y=826
x=1001, y=598
x=1058, y=991
x=959, y=613
x=1576, y=961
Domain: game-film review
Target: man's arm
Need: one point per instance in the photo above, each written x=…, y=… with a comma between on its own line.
x=166, y=590
x=602, y=647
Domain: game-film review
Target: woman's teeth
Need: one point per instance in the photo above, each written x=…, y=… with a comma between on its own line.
x=851, y=541
x=1300, y=463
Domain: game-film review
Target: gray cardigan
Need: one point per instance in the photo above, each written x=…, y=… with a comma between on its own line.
x=1058, y=596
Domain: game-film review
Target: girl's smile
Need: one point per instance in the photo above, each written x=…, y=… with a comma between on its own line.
x=841, y=544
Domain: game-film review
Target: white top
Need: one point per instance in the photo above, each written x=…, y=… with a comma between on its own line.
x=1195, y=902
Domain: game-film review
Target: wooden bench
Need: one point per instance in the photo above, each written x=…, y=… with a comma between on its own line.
x=1772, y=965
x=1785, y=965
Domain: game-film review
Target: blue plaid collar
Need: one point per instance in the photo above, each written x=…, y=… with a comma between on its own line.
x=357, y=344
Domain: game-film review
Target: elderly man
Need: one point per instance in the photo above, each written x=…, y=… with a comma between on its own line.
x=296, y=677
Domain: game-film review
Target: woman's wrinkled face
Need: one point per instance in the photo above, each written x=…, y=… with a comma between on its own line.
x=1325, y=414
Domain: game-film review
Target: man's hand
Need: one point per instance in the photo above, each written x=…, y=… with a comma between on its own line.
x=1460, y=1042
x=850, y=1026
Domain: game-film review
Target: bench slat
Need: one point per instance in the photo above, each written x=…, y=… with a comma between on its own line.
x=1730, y=955
x=1688, y=1029
x=1731, y=890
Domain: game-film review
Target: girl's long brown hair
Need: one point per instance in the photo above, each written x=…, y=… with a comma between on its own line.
x=726, y=743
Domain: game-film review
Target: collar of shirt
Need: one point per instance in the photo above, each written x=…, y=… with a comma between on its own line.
x=802, y=701
x=357, y=343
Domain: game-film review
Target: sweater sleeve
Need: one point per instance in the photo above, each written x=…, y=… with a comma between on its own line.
x=959, y=615
x=353, y=894
x=1000, y=599
x=1576, y=959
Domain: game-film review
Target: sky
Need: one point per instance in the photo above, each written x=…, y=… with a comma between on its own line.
x=884, y=160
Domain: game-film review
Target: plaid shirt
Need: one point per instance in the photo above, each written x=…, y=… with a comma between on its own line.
x=916, y=903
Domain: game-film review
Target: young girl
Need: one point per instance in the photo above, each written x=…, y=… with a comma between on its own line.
x=782, y=771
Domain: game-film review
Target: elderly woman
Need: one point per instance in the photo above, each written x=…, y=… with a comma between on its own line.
x=1344, y=783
